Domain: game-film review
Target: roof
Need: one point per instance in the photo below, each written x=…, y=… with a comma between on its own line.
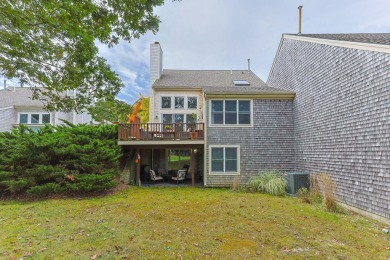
x=219, y=83
x=371, y=38
x=18, y=97
x=202, y=78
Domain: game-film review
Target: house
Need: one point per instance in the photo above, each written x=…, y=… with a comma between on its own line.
x=242, y=126
x=17, y=107
x=341, y=111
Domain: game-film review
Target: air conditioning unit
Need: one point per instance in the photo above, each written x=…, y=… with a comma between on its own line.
x=297, y=180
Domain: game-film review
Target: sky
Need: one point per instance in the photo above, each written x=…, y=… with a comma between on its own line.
x=223, y=34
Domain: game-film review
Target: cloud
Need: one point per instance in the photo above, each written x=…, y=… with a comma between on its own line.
x=223, y=34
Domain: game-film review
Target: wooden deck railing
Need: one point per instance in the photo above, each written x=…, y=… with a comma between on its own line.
x=158, y=131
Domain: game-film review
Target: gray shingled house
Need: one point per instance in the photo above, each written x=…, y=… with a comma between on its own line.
x=325, y=109
x=341, y=111
x=17, y=107
x=217, y=125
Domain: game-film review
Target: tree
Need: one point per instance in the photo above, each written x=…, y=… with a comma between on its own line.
x=50, y=45
x=144, y=110
x=110, y=111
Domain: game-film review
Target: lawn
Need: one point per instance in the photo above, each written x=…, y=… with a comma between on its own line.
x=185, y=223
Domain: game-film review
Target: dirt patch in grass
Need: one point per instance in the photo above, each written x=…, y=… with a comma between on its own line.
x=184, y=223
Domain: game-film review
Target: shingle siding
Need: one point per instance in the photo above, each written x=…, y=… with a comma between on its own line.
x=7, y=118
x=341, y=117
x=268, y=145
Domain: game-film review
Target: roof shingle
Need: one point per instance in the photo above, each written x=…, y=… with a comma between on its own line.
x=18, y=97
x=202, y=78
x=218, y=82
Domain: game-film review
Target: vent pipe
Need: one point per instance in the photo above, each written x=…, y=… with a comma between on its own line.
x=300, y=19
x=5, y=84
x=249, y=64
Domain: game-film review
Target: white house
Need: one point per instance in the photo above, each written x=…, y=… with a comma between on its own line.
x=17, y=107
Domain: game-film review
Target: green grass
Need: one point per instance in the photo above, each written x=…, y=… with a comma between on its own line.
x=188, y=223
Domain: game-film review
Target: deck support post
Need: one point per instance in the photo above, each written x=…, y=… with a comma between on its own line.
x=193, y=165
x=138, y=177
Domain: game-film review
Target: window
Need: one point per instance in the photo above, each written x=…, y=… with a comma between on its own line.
x=179, y=118
x=244, y=112
x=167, y=118
x=172, y=118
x=224, y=159
x=179, y=102
x=23, y=118
x=230, y=112
x=34, y=118
x=165, y=102
x=191, y=118
x=241, y=83
x=177, y=159
x=192, y=102
x=217, y=112
x=45, y=119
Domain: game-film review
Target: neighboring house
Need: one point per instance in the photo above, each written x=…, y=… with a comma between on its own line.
x=17, y=107
x=341, y=111
x=242, y=125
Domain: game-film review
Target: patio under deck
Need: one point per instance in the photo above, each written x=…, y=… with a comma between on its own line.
x=151, y=144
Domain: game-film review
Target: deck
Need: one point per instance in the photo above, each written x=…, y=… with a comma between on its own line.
x=158, y=132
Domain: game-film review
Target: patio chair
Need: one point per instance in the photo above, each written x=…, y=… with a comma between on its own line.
x=181, y=176
x=154, y=177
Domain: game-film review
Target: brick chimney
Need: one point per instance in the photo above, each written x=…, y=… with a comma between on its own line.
x=156, y=68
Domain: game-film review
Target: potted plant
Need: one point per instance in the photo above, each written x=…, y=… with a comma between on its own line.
x=192, y=127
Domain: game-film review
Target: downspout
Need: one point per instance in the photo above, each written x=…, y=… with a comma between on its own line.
x=205, y=148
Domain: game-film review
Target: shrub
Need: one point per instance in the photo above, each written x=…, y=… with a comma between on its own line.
x=304, y=195
x=15, y=186
x=269, y=182
x=315, y=191
x=328, y=188
x=5, y=175
x=49, y=159
x=236, y=184
x=91, y=182
x=45, y=190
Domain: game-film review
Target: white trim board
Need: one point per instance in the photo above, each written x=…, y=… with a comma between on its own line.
x=345, y=44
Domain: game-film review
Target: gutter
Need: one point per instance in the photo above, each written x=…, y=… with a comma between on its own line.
x=5, y=108
x=177, y=88
x=269, y=95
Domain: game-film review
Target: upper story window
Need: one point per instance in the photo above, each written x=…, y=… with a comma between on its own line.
x=179, y=102
x=165, y=102
x=192, y=102
x=34, y=118
x=230, y=112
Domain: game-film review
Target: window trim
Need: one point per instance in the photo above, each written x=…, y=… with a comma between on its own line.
x=29, y=118
x=225, y=173
x=230, y=125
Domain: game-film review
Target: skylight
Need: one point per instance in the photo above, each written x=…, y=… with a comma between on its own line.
x=241, y=82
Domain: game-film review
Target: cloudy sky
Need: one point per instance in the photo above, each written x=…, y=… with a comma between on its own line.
x=223, y=34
